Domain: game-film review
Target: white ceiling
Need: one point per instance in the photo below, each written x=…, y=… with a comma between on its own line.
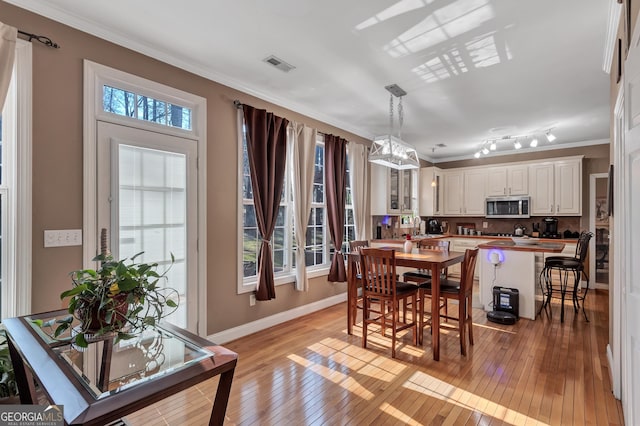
x=473, y=69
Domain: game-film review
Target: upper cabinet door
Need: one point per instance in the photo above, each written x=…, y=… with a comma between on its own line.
x=394, y=202
x=568, y=188
x=518, y=180
x=497, y=181
x=453, y=190
x=541, y=189
x=474, y=192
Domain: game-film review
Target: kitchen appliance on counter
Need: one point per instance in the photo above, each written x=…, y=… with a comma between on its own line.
x=535, y=231
x=518, y=230
x=434, y=226
x=507, y=207
x=550, y=227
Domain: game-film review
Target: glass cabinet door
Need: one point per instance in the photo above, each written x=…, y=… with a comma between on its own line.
x=394, y=190
x=407, y=190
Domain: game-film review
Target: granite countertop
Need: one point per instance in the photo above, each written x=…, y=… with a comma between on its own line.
x=546, y=246
x=480, y=237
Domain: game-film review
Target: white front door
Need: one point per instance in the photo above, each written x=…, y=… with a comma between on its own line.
x=630, y=279
x=146, y=199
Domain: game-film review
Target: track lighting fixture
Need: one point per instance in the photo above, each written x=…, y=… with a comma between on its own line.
x=517, y=140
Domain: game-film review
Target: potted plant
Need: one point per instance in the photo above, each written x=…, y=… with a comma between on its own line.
x=8, y=386
x=121, y=298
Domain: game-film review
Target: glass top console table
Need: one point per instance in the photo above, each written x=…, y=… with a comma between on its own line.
x=107, y=380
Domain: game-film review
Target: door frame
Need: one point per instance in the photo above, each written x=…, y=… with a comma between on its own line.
x=97, y=75
x=592, y=227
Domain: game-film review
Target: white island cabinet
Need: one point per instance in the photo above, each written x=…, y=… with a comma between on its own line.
x=516, y=269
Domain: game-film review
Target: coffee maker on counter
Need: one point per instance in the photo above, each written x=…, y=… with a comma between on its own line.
x=434, y=226
x=550, y=227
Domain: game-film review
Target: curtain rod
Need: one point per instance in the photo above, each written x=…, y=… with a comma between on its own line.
x=42, y=39
x=239, y=105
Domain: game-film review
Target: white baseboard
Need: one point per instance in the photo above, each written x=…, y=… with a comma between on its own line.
x=601, y=286
x=225, y=336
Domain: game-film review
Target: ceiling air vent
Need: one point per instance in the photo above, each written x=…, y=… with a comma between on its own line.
x=278, y=63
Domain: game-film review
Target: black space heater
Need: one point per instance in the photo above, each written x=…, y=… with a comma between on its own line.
x=506, y=305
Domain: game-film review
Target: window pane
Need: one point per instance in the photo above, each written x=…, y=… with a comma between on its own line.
x=118, y=101
x=150, y=109
x=179, y=117
x=121, y=102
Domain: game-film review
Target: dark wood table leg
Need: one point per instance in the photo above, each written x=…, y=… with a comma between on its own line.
x=435, y=311
x=221, y=399
x=24, y=378
x=105, y=366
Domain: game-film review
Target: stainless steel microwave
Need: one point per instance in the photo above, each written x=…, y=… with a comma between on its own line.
x=508, y=207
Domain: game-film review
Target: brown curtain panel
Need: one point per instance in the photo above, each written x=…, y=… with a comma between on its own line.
x=335, y=175
x=267, y=150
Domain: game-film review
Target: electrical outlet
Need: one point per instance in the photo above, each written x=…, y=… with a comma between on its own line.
x=63, y=237
x=252, y=299
x=485, y=225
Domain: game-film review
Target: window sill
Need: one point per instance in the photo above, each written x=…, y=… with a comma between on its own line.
x=289, y=278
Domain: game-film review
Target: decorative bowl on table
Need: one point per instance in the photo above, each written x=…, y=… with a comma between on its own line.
x=525, y=241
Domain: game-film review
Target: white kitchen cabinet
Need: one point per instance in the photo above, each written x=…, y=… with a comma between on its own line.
x=474, y=192
x=430, y=199
x=453, y=183
x=508, y=180
x=541, y=189
x=393, y=191
x=464, y=192
x=568, y=188
x=556, y=188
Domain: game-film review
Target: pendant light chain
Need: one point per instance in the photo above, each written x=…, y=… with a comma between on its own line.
x=390, y=114
x=400, y=117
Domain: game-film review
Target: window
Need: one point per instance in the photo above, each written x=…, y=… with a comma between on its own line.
x=282, y=235
x=15, y=189
x=134, y=105
x=349, y=221
x=318, y=249
x=317, y=235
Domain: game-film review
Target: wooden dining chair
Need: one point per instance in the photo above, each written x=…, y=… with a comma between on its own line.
x=380, y=285
x=462, y=291
x=355, y=301
x=423, y=276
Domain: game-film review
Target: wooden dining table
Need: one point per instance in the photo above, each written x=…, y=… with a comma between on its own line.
x=434, y=260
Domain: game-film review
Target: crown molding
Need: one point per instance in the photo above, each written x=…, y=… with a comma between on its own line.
x=615, y=10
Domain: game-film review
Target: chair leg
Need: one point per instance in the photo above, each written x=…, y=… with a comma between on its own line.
x=462, y=318
x=470, y=319
x=365, y=318
x=414, y=312
x=394, y=325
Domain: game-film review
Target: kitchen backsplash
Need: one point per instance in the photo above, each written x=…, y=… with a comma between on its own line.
x=390, y=228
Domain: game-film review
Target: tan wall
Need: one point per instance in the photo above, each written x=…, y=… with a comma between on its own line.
x=57, y=167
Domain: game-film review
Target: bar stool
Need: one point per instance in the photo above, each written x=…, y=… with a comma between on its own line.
x=566, y=268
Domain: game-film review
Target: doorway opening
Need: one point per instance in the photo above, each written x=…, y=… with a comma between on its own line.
x=599, y=225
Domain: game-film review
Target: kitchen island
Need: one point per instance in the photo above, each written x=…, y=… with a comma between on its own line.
x=504, y=263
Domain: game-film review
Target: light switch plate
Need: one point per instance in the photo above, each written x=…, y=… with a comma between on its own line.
x=63, y=237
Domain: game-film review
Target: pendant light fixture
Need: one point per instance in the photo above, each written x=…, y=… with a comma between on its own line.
x=388, y=150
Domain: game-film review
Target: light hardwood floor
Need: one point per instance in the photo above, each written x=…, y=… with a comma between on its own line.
x=309, y=371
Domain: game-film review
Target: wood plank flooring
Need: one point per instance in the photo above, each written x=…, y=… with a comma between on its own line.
x=310, y=372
